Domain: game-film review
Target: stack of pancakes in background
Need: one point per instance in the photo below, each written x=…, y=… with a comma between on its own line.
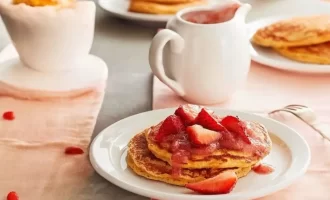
x=162, y=6
x=151, y=160
x=36, y=3
x=304, y=39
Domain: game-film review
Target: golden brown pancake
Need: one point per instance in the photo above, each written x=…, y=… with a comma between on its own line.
x=36, y=3
x=317, y=54
x=144, y=163
x=298, y=31
x=160, y=8
x=221, y=158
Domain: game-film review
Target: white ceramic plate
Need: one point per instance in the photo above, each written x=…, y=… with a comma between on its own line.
x=119, y=8
x=290, y=156
x=271, y=58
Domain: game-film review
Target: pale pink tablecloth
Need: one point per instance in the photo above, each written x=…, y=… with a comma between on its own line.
x=268, y=89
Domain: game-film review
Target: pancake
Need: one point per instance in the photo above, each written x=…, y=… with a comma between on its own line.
x=145, y=164
x=160, y=8
x=298, y=31
x=221, y=158
x=37, y=3
x=317, y=54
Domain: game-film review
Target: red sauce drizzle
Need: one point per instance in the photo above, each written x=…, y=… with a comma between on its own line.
x=182, y=149
x=263, y=169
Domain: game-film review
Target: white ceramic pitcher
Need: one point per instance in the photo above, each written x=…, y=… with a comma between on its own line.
x=202, y=63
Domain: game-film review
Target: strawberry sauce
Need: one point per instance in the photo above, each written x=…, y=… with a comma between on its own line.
x=263, y=169
x=195, y=133
x=220, y=15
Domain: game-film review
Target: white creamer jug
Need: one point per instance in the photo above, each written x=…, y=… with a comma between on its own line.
x=203, y=61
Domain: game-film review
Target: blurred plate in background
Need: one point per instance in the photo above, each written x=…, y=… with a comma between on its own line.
x=271, y=58
x=119, y=8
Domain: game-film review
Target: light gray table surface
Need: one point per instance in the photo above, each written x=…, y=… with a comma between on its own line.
x=124, y=47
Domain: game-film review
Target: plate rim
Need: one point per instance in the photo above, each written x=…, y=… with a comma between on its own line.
x=141, y=191
x=273, y=63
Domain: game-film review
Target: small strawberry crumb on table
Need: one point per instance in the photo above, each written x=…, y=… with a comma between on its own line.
x=73, y=150
x=12, y=196
x=8, y=115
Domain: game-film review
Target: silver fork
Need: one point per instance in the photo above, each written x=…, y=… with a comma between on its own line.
x=305, y=114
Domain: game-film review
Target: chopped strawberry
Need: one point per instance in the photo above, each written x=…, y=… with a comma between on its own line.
x=200, y=135
x=234, y=124
x=73, y=150
x=220, y=184
x=206, y=120
x=9, y=115
x=171, y=125
x=12, y=196
x=188, y=113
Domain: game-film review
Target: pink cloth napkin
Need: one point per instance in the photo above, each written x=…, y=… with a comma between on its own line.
x=32, y=146
x=268, y=89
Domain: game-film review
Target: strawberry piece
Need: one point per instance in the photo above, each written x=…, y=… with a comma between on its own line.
x=206, y=120
x=220, y=184
x=188, y=113
x=12, y=196
x=200, y=135
x=8, y=115
x=171, y=125
x=234, y=124
x=73, y=150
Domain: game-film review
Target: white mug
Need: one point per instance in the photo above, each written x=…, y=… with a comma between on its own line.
x=202, y=63
x=48, y=38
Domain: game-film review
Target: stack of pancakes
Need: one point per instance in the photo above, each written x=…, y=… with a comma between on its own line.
x=162, y=6
x=148, y=159
x=304, y=39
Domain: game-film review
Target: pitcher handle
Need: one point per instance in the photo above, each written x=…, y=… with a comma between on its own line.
x=156, y=56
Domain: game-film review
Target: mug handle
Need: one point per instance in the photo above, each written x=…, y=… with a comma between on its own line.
x=156, y=56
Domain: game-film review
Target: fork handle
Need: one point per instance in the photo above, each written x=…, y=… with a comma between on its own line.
x=322, y=128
